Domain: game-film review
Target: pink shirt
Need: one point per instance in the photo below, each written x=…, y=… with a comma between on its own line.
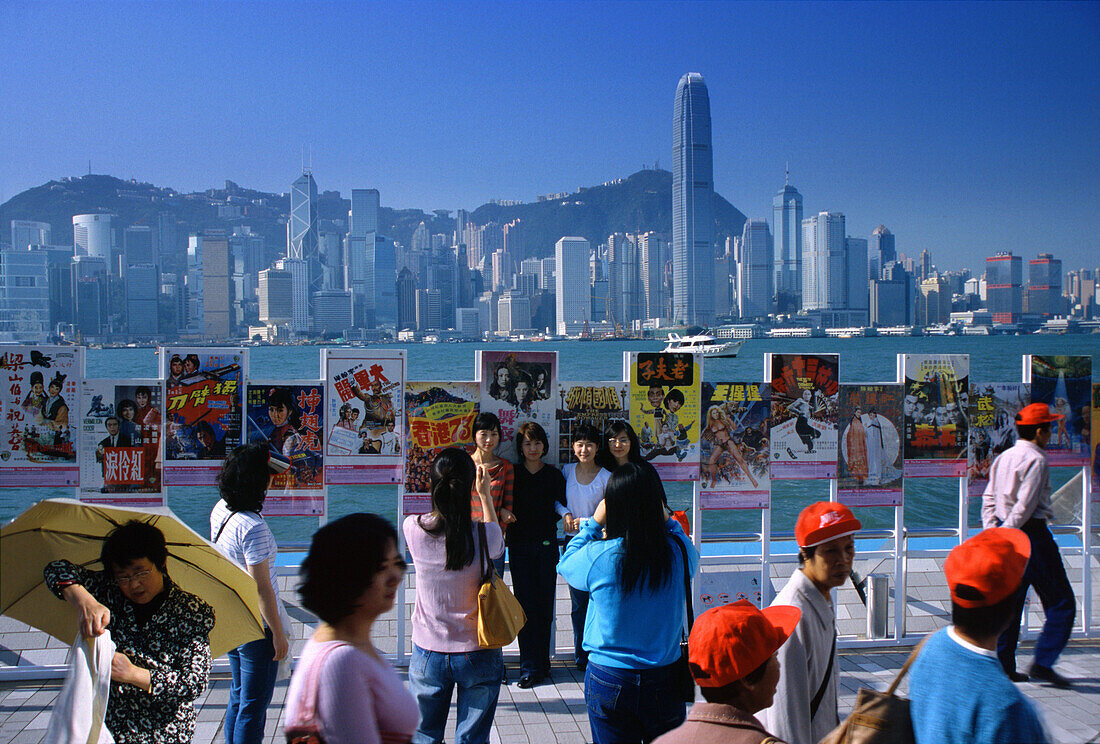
x=360, y=699
x=445, y=617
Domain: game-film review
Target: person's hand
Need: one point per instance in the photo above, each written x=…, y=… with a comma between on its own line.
x=483, y=480
x=506, y=516
x=93, y=616
x=282, y=646
x=568, y=523
x=122, y=670
x=600, y=515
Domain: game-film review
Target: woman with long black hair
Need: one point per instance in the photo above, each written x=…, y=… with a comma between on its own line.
x=620, y=446
x=625, y=557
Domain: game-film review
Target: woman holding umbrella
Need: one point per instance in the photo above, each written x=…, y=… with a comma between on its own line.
x=161, y=632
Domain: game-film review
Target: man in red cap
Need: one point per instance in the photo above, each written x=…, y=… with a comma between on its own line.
x=958, y=692
x=805, y=706
x=1018, y=495
x=732, y=654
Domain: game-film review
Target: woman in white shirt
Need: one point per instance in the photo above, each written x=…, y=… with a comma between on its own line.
x=584, y=485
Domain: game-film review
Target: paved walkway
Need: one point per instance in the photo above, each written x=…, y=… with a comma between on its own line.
x=556, y=712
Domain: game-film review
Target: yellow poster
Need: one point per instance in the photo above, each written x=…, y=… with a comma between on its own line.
x=664, y=411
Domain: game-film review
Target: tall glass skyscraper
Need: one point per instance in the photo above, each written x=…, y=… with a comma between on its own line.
x=302, y=233
x=787, y=231
x=692, y=204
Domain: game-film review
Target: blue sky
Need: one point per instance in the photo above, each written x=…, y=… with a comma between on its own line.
x=964, y=128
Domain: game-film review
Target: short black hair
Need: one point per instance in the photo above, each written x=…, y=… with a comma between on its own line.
x=111, y=418
x=143, y=389
x=36, y=378
x=343, y=558
x=806, y=554
x=243, y=479
x=725, y=692
x=486, y=420
x=674, y=395
x=531, y=430
x=1030, y=431
x=586, y=432
x=983, y=622
x=133, y=541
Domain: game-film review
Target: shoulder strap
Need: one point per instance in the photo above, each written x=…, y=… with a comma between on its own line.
x=222, y=528
x=816, y=702
x=905, y=667
x=483, y=554
x=687, y=582
x=308, y=712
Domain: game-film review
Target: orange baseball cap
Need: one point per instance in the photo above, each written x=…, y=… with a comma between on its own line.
x=1036, y=413
x=988, y=567
x=823, y=521
x=729, y=641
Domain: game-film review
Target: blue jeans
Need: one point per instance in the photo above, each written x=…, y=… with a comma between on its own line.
x=578, y=611
x=631, y=705
x=1046, y=572
x=254, y=669
x=433, y=676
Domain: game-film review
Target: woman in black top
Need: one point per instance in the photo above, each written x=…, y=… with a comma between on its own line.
x=533, y=548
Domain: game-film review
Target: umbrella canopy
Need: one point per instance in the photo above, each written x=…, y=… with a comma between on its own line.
x=64, y=528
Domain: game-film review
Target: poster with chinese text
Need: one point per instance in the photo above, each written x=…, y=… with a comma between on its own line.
x=869, y=469
x=804, y=411
x=439, y=415
x=121, y=443
x=1065, y=384
x=1095, y=442
x=734, y=447
x=993, y=409
x=596, y=403
x=204, y=395
x=289, y=418
x=366, y=418
x=519, y=386
x=664, y=403
x=937, y=392
x=41, y=384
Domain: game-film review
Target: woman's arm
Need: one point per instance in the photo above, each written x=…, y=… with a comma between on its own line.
x=75, y=585
x=269, y=606
x=575, y=564
x=508, y=477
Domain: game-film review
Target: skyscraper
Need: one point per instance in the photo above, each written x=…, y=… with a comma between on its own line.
x=303, y=237
x=24, y=296
x=92, y=235
x=881, y=251
x=692, y=204
x=823, y=266
x=573, y=295
x=1004, y=277
x=1044, y=286
x=29, y=232
x=217, y=286
x=755, y=270
x=652, y=249
x=855, y=283
x=787, y=227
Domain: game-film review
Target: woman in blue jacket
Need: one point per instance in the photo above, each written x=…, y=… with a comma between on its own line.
x=626, y=559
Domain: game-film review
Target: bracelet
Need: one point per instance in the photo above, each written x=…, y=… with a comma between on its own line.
x=68, y=582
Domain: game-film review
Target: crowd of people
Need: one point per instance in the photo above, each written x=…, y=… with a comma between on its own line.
x=765, y=675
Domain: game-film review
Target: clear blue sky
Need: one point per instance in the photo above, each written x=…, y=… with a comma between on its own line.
x=964, y=128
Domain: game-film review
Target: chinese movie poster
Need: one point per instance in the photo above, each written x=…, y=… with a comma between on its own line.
x=596, y=403
x=440, y=415
x=1095, y=443
x=993, y=409
x=1065, y=384
x=937, y=392
x=41, y=384
x=734, y=446
x=804, y=414
x=664, y=410
x=869, y=470
x=519, y=386
x=204, y=395
x=121, y=447
x=289, y=417
x=366, y=420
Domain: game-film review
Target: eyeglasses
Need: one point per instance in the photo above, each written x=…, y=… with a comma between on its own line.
x=139, y=577
x=622, y=441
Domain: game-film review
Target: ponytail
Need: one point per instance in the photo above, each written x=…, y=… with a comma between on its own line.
x=452, y=480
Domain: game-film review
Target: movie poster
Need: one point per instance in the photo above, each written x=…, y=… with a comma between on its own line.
x=993, y=409
x=519, y=386
x=1065, y=384
x=40, y=438
x=733, y=448
x=664, y=404
x=804, y=414
x=204, y=396
x=869, y=469
x=596, y=403
x=1095, y=443
x=365, y=389
x=936, y=403
x=121, y=447
x=439, y=415
x=289, y=417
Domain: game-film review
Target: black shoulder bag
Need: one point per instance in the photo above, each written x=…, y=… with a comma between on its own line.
x=683, y=682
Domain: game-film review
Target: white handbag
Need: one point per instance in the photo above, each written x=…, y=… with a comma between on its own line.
x=79, y=711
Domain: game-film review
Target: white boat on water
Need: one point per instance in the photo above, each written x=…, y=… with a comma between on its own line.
x=706, y=345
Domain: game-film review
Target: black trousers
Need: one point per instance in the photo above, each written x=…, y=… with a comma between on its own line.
x=534, y=578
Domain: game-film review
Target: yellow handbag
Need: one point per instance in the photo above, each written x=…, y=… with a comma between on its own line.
x=499, y=614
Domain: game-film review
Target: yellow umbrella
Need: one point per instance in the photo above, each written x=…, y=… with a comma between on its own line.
x=64, y=528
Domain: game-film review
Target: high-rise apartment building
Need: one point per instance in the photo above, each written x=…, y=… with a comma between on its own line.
x=753, y=253
x=881, y=251
x=573, y=294
x=787, y=240
x=1004, y=287
x=933, y=302
x=92, y=235
x=1044, y=286
x=513, y=312
x=824, y=270
x=276, y=292
x=28, y=232
x=692, y=204
x=24, y=296
x=217, y=287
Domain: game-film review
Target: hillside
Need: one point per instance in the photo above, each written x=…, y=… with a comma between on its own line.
x=639, y=203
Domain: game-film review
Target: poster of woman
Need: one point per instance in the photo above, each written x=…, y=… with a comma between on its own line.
x=804, y=414
x=440, y=415
x=513, y=386
x=1064, y=383
x=289, y=417
x=937, y=393
x=869, y=470
x=664, y=410
x=121, y=442
x=993, y=409
x=734, y=446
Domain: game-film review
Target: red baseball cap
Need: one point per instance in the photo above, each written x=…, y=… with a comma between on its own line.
x=1036, y=413
x=988, y=567
x=729, y=641
x=823, y=521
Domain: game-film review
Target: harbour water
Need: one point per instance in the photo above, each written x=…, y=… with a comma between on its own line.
x=929, y=502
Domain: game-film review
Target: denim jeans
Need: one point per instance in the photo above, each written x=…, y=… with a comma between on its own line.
x=578, y=611
x=433, y=675
x=534, y=579
x=1046, y=572
x=631, y=705
x=254, y=669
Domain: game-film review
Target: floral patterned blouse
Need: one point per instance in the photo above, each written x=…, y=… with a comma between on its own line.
x=174, y=645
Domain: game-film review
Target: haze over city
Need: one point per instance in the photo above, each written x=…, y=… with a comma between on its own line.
x=966, y=128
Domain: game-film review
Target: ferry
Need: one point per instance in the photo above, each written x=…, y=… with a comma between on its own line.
x=706, y=345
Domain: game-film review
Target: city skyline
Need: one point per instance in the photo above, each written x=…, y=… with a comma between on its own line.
x=964, y=131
